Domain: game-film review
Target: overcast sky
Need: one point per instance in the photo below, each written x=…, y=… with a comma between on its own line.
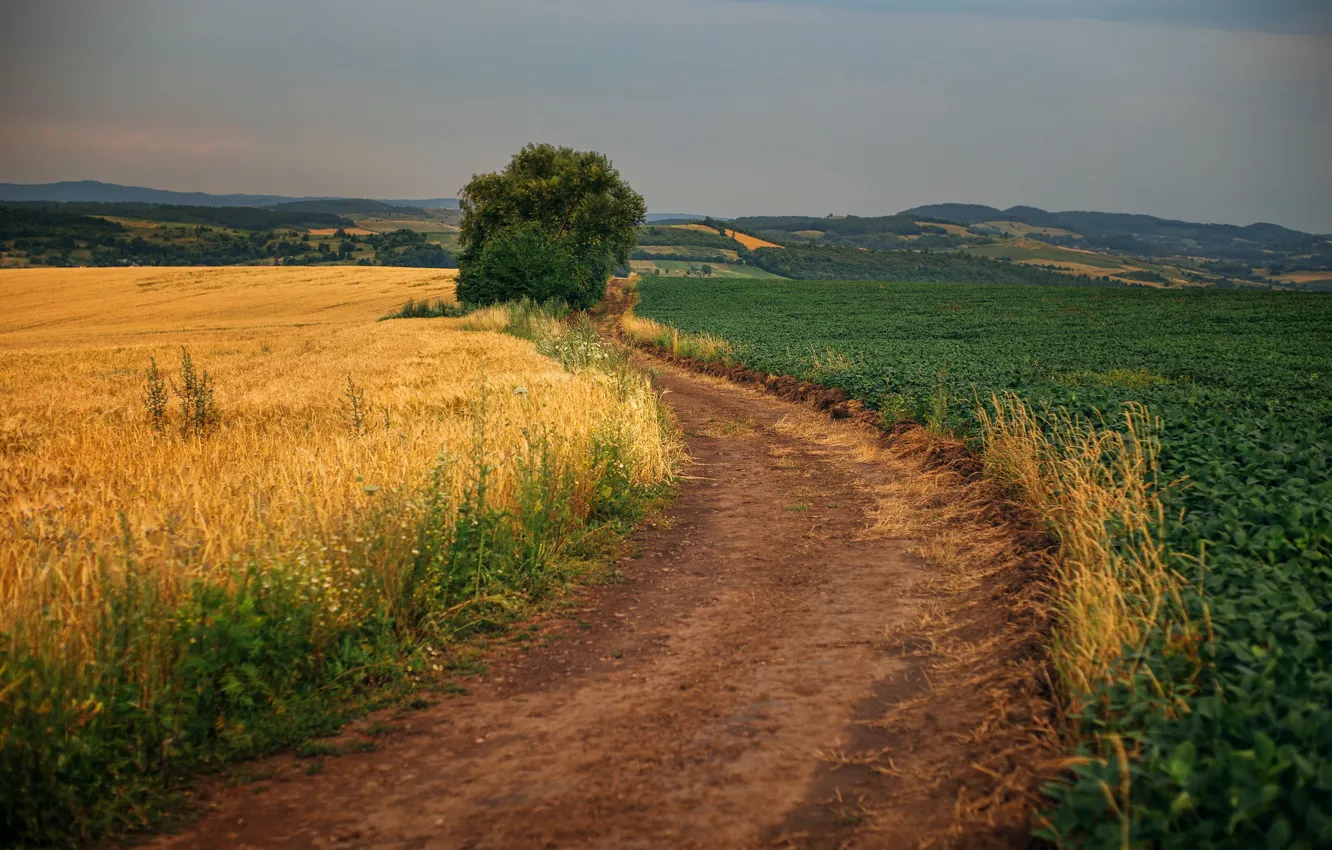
x=1212, y=110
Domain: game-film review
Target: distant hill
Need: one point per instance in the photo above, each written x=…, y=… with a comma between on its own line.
x=425, y=203
x=960, y=213
x=233, y=217
x=347, y=207
x=94, y=191
x=1141, y=234
x=1121, y=247
x=674, y=217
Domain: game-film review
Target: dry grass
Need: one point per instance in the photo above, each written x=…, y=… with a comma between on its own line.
x=1096, y=489
x=1303, y=277
x=667, y=338
x=753, y=243
x=829, y=363
x=737, y=428
x=329, y=231
x=87, y=485
x=536, y=323
x=61, y=308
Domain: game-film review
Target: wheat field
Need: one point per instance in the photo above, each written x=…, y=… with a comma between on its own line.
x=325, y=415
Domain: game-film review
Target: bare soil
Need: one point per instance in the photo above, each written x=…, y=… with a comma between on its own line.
x=767, y=671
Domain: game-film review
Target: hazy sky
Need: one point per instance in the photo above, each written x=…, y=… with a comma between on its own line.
x=1212, y=110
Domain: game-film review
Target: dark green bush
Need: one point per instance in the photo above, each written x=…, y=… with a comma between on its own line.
x=427, y=309
x=524, y=262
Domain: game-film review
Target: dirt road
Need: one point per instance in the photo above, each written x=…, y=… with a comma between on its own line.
x=720, y=696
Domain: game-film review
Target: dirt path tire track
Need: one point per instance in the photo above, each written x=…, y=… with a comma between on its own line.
x=703, y=701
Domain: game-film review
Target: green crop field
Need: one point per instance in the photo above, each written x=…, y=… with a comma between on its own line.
x=1228, y=738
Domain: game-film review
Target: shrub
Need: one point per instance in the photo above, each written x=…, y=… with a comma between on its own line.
x=427, y=309
x=523, y=262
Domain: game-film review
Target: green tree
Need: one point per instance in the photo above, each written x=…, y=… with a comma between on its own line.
x=575, y=202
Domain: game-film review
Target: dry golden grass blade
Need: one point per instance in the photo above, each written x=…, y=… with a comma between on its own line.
x=1084, y=481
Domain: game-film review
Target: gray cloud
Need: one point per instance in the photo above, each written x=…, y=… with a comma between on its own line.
x=1285, y=16
x=706, y=105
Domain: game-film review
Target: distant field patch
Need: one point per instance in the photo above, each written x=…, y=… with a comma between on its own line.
x=1029, y=250
x=1073, y=268
x=953, y=229
x=1018, y=228
x=384, y=225
x=677, y=268
x=350, y=231
x=668, y=250
x=1304, y=277
x=138, y=303
x=753, y=243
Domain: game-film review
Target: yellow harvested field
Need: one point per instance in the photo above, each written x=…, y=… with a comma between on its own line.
x=329, y=231
x=297, y=461
x=1076, y=268
x=384, y=225
x=55, y=308
x=750, y=242
x=1304, y=277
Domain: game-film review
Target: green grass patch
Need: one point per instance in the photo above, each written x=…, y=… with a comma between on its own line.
x=427, y=309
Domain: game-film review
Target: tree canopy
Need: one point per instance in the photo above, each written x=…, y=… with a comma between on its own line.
x=575, y=202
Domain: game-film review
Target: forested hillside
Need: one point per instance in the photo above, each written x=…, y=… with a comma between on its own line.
x=154, y=235
x=845, y=263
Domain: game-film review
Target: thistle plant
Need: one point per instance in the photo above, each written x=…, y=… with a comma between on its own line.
x=155, y=398
x=353, y=407
x=198, y=407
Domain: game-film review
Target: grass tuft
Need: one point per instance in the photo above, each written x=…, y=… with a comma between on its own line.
x=427, y=309
x=704, y=347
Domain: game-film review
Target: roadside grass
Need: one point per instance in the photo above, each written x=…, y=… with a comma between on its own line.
x=740, y=426
x=1095, y=488
x=705, y=347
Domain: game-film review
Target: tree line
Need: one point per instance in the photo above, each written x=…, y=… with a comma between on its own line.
x=43, y=236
